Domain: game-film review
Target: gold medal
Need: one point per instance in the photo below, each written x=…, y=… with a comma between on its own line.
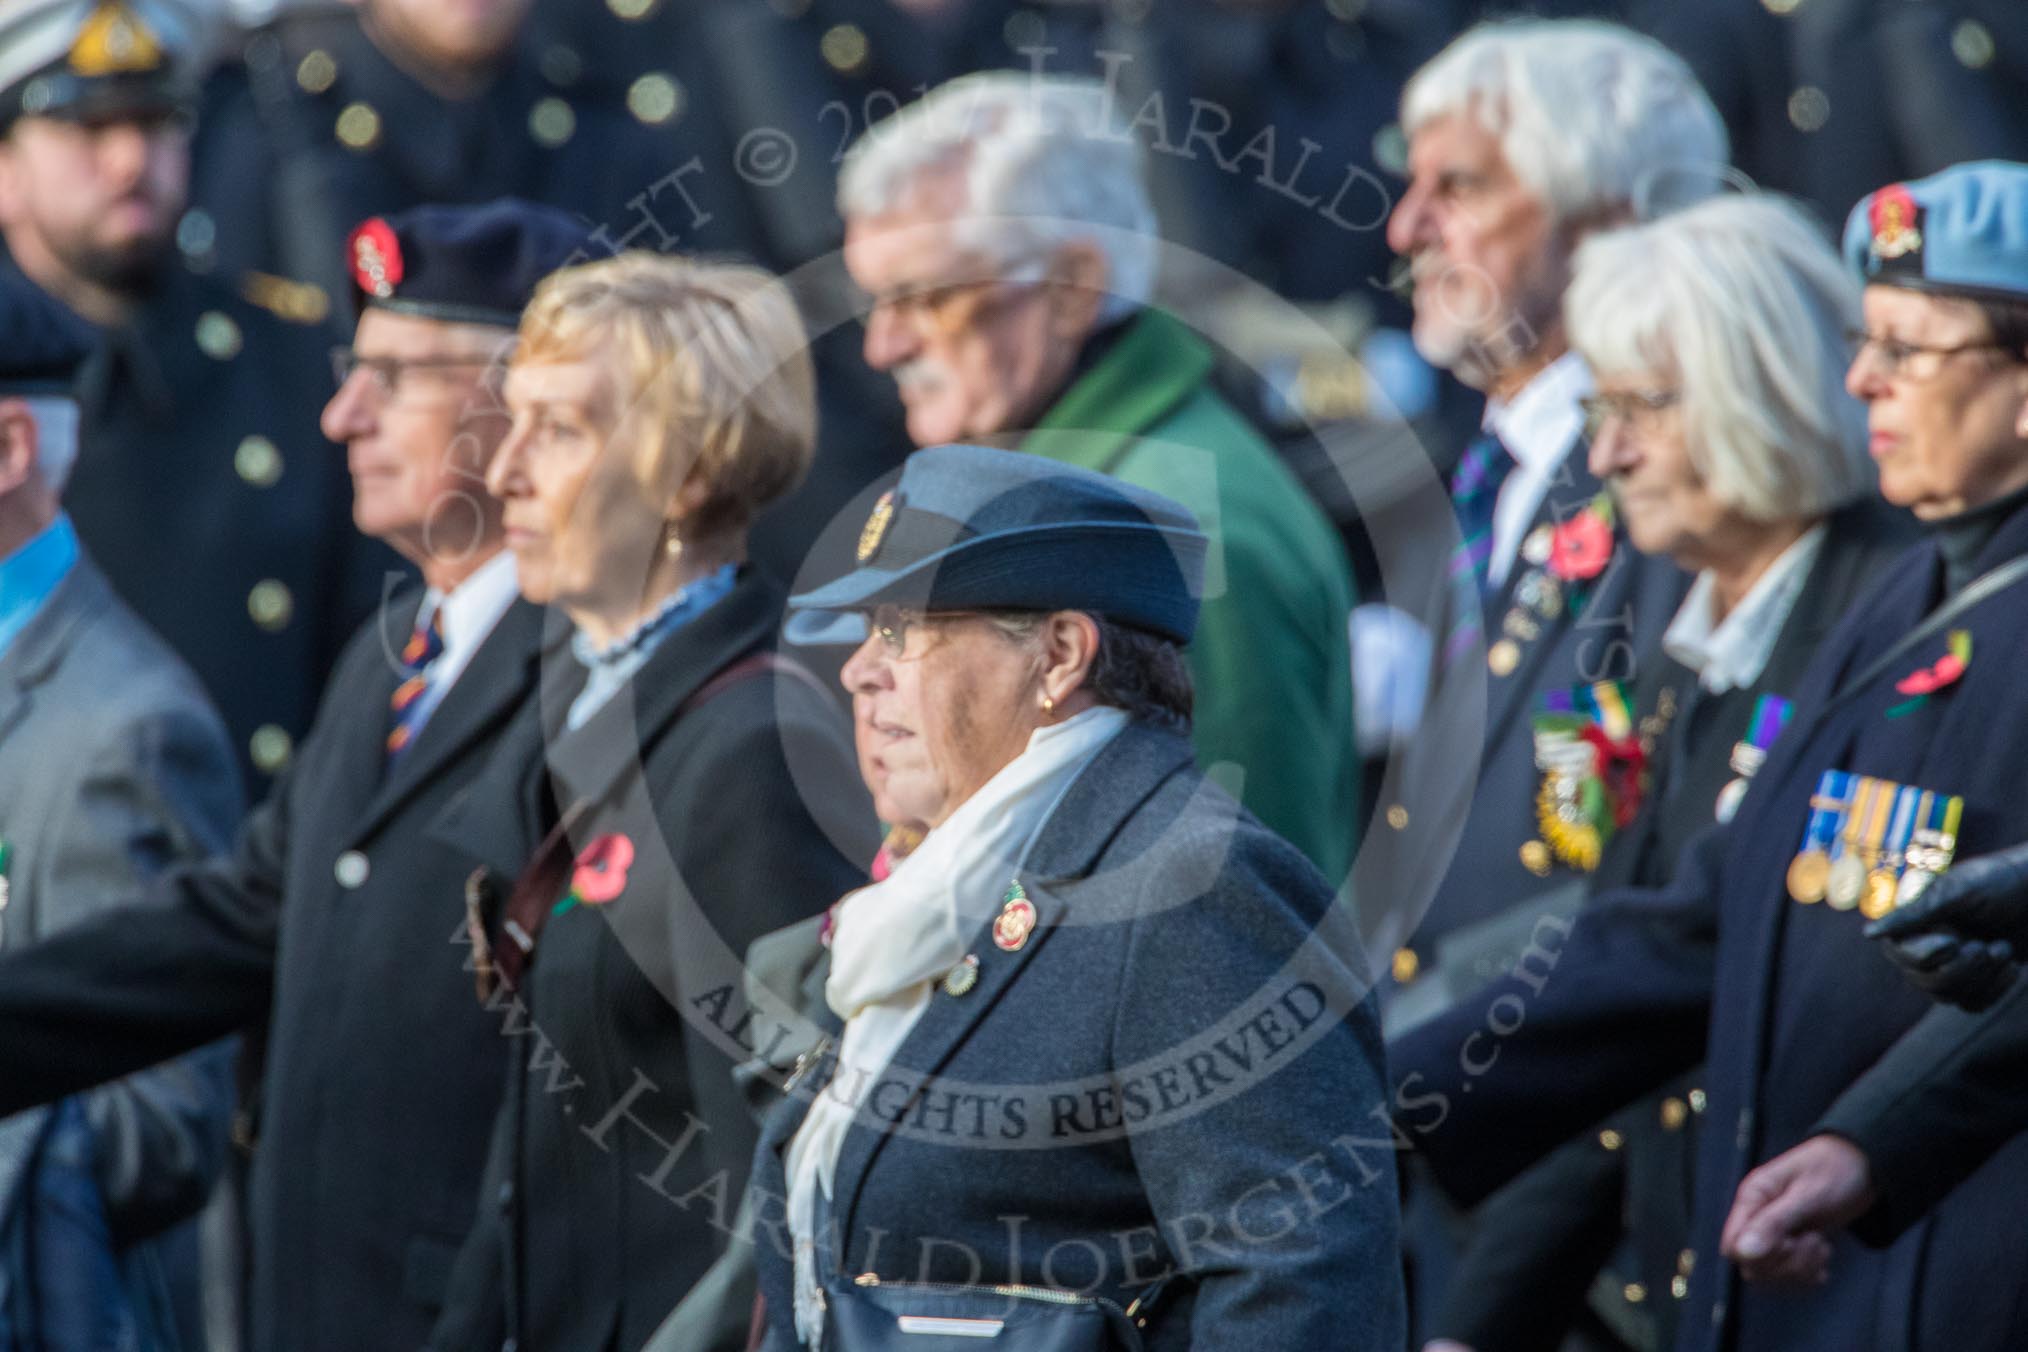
x=1809, y=876
x=1503, y=657
x=1881, y=886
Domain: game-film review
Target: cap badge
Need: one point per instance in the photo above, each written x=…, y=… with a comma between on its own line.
x=1894, y=216
x=376, y=258
x=875, y=529
x=114, y=41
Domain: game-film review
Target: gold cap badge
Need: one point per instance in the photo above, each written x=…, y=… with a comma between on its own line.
x=875, y=529
x=114, y=41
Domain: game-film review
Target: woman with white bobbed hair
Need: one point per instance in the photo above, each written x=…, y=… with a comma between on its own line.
x=1718, y=337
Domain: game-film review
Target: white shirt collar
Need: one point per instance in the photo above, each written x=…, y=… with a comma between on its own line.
x=1538, y=426
x=1733, y=653
x=469, y=612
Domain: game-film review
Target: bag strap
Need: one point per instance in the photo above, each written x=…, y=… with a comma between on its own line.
x=534, y=894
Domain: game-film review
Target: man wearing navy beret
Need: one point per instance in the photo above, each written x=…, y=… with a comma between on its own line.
x=328, y=926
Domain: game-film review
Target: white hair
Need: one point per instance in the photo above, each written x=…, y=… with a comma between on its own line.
x=1590, y=116
x=1742, y=301
x=1040, y=164
x=56, y=424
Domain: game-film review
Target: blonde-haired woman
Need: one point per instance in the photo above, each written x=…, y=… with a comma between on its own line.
x=658, y=405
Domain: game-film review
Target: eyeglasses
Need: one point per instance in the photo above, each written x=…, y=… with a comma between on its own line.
x=386, y=373
x=891, y=623
x=1640, y=410
x=1898, y=355
x=955, y=306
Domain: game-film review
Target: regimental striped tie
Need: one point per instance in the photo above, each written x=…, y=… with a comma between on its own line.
x=424, y=646
x=1475, y=492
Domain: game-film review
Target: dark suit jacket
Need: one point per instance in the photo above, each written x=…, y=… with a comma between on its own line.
x=1466, y=785
x=1793, y=1004
x=1178, y=1070
x=1537, y=1245
x=382, y=1073
x=622, y=1148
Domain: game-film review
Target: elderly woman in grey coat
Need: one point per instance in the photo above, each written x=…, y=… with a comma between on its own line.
x=1101, y=1043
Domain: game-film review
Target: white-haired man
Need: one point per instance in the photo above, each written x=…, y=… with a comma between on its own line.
x=1002, y=231
x=1523, y=139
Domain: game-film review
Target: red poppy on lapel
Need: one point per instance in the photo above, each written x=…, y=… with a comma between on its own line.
x=1583, y=545
x=601, y=872
x=1946, y=670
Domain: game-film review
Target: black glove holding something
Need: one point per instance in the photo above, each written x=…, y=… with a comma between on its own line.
x=1957, y=938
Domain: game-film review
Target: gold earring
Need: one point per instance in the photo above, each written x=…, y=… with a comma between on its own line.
x=672, y=543
x=1048, y=705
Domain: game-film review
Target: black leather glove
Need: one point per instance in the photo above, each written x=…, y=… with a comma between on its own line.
x=1958, y=938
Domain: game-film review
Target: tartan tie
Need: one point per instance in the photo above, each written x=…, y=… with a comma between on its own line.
x=424, y=646
x=1475, y=492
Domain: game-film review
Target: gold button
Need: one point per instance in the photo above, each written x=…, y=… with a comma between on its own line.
x=1406, y=964
x=551, y=122
x=844, y=48
x=316, y=72
x=1679, y=1287
x=1634, y=1292
x=1697, y=1100
x=218, y=336
x=1809, y=108
x=1686, y=1262
x=258, y=462
x=1972, y=44
x=1535, y=858
x=270, y=604
x=359, y=126
x=1611, y=1139
x=655, y=98
x=1397, y=817
x=631, y=10
x=271, y=748
x=1503, y=657
x=1674, y=1114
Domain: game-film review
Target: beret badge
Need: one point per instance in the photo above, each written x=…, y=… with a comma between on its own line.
x=1896, y=221
x=875, y=529
x=376, y=258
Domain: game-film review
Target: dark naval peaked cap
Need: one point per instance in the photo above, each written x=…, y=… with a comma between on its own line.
x=1961, y=232
x=464, y=265
x=971, y=528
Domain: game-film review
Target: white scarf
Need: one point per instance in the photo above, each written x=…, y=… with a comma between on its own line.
x=895, y=940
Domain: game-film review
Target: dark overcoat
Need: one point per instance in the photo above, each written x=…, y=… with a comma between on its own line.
x=336, y=922
x=622, y=1147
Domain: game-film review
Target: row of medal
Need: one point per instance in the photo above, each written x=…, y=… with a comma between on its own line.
x=1872, y=844
x=1538, y=600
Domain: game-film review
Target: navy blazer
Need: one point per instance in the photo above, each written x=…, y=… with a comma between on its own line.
x=1179, y=1070
x=1460, y=799
x=1792, y=1002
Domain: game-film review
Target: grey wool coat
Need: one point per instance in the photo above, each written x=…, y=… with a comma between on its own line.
x=1176, y=1072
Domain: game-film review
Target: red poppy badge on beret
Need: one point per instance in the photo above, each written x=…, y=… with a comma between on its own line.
x=375, y=254
x=1895, y=219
